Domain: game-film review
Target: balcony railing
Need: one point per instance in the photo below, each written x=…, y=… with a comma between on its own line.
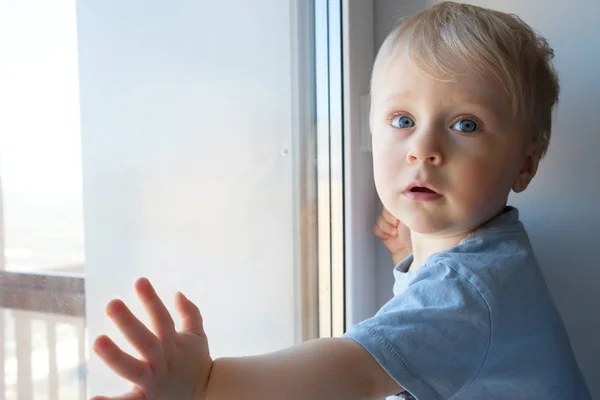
x=42, y=336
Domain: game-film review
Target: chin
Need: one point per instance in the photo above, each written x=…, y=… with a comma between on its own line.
x=432, y=225
x=424, y=226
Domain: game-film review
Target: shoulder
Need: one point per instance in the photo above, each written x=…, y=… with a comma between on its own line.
x=433, y=337
x=494, y=259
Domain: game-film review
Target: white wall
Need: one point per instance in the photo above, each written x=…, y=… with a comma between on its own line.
x=185, y=110
x=560, y=207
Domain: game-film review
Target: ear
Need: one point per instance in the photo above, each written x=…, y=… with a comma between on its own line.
x=528, y=170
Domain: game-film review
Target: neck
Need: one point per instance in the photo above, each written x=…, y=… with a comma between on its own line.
x=424, y=246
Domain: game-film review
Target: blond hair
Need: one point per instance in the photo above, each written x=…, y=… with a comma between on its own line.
x=488, y=42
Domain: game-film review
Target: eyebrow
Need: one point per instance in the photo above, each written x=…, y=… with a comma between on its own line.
x=481, y=102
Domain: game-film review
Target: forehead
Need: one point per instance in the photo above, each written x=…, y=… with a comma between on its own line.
x=400, y=78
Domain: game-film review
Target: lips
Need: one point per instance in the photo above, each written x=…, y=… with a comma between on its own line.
x=418, y=191
x=419, y=187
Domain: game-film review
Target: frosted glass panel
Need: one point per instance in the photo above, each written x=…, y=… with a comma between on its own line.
x=194, y=137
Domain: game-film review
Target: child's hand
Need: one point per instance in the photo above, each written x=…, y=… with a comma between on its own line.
x=394, y=235
x=174, y=365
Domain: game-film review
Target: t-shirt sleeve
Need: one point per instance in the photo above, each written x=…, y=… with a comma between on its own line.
x=433, y=338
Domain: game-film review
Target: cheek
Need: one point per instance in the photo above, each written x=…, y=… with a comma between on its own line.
x=381, y=174
x=484, y=184
x=386, y=168
x=387, y=154
x=386, y=176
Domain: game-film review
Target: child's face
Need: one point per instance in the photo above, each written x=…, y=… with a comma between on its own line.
x=457, y=138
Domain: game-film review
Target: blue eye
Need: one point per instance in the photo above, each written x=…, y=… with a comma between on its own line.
x=466, y=126
x=403, y=122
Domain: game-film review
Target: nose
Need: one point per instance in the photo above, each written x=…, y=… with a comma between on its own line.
x=425, y=148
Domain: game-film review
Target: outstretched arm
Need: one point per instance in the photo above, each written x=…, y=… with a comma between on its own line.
x=176, y=365
x=331, y=368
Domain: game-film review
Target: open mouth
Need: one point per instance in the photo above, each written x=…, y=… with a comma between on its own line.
x=417, y=191
x=421, y=189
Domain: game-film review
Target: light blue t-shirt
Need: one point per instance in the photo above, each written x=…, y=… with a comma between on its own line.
x=475, y=322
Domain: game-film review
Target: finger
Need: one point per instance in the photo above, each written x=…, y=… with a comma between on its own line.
x=386, y=227
x=136, y=332
x=123, y=364
x=126, y=396
x=191, y=319
x=379, y=233
x=160, y=318
x=389, y=217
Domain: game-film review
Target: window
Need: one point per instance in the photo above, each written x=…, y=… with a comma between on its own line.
x=191, y=160
x=42, y=328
